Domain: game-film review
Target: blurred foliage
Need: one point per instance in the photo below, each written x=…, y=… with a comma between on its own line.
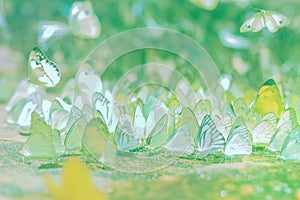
x=267, y=55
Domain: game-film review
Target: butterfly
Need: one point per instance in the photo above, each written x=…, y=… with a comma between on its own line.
x=268, y=99
x=20, y=113
x=291, y=146
x=95, y=137
x=264, y=129
x=210, y=140
x=181, y=141
x=86, y=84
x=206, y=4
x=44, y=142
x=286, y=123
x=272, y=20
x=82, y=22
x=239, y=139
x=43, y=72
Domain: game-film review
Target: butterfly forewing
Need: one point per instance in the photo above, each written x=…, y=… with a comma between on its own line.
x=210, y=140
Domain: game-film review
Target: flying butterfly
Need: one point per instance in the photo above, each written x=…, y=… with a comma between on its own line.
x=206, y=4
x=272, y=20
x=269, y=99
x=43, y=71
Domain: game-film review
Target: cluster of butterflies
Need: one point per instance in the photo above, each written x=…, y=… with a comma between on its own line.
x=88, y=120
x=82, y=22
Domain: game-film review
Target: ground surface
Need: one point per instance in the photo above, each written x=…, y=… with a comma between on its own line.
x=259, y=176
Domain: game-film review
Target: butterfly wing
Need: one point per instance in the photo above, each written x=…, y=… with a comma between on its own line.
x=210, y=140
x=74, y=135
x=269, y=99
x=83, y=21
x=253, y=24
x=181, y=142
x=124, y=136
x=43, y=71
x=274, y=21
x=291, y=146
x=43, y=143
x=157, y=136
x=94, y=137
x=239, y=140
x=286, y=123
x=206, y=4
x=49, y=32
x=264, y=129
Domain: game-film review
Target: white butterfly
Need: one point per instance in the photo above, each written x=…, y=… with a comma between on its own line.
x=43, y=71
x=264, y=129
x=291, y=146
x=239, y=139
x=83, y=21
x=272, y=20
x=87, y=83
x=210, y=140
x=20, y=113
x=49, y=32
x=181, y=141
x=286, y=123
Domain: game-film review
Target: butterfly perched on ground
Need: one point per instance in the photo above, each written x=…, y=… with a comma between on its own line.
x=209, y=140
x=239, y=142
x=43, y=71
x=269, y=99
x=269, y=19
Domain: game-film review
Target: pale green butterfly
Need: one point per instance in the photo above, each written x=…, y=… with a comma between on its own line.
x=264, y=129
x=272, y=20
x=44, y=142
x=43, y=72
x=286, y=123
x=239, y=140
x=95, y=137
x=291, y=146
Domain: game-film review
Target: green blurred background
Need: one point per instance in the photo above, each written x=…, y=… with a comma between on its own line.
x=257, y=56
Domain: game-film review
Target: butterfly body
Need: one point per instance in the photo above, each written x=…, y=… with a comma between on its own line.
x=269, y=19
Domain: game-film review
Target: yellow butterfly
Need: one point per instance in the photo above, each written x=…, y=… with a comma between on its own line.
x=76, y=184
x=269, y=99
x=272, y=20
